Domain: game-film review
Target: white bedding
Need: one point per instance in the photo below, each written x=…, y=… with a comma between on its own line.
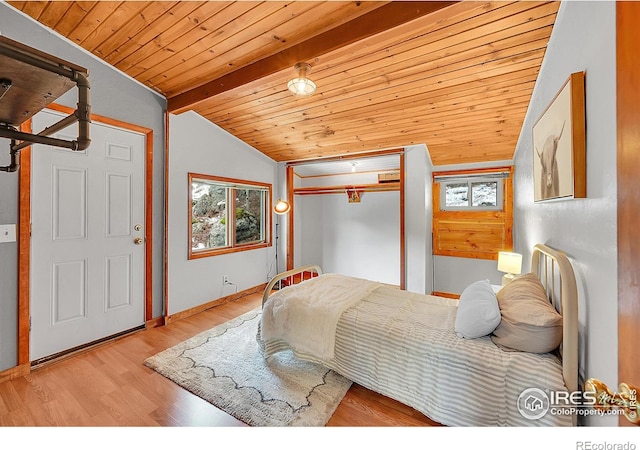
x=306, y=314
x=404, y=346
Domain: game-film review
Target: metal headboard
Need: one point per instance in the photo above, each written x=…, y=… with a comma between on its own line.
x=555, y=272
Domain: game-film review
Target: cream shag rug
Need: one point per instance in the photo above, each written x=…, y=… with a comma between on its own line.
x=225, y=367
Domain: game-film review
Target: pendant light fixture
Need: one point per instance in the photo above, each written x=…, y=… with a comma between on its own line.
x=301, y=86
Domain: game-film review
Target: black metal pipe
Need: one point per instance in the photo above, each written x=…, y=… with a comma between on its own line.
x=28, y=139
x=83, y=112
x=15, y=161
x=82, y=115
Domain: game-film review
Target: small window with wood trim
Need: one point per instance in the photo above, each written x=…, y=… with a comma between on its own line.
x=473, y=212
x=470, y=193
x=227, y=215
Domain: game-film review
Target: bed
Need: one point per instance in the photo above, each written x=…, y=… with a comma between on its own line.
x=407, y=346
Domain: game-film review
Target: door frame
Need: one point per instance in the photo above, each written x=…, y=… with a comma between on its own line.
x=24, y=233
x=401, y=203
x=628, y=214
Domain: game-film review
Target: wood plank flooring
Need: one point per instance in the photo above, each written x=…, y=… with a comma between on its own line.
x=110, y=386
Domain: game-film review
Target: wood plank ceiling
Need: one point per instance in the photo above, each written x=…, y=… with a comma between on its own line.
x=455, y=76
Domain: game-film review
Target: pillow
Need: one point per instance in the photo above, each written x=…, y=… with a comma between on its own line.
x=478, y=312
x=529, y=322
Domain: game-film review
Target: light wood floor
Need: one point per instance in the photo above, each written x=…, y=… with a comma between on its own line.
x=110, y=386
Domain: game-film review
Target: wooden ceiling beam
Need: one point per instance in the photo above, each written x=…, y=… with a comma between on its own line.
x=386, y=17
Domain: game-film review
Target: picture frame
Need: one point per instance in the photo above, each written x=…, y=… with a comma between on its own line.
x=559, y=145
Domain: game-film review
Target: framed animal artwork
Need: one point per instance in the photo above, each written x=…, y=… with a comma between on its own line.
x=559, y=147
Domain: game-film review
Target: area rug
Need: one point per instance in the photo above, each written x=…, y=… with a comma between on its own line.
x=225, y=366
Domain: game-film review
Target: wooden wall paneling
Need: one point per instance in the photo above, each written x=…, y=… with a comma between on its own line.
x=473, y=234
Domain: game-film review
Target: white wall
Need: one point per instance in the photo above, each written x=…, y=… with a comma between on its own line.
x=453, y=274
x=363, y=239
x=113, y=95
x=196, y=145
x=418, y=216
x=583, y=39
x=357, y=239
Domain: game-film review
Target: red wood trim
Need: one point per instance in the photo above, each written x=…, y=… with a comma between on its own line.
x=341, y=189
x=446, y=294
x=17, y=371
x=628, y=161
x=148, y=227
x=290, y=217
x=226, y=250
x=306, y=177
x=154, y=323
x=165, y=251
x=473, y=171
x=403, y=250
x=24, y=251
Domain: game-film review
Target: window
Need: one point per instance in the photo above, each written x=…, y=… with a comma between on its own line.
x=472, y=213
x=227, y=215
x=472, y=193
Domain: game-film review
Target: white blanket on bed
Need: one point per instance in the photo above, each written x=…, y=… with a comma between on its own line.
x=306, y=315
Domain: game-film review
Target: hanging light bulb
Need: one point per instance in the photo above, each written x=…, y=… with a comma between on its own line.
x=282, y=207
x=301, y=86
x=353, y=166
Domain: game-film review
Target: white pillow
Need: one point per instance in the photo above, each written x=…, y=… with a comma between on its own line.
x=478, y=311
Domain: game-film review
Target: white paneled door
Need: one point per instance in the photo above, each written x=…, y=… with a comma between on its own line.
x=87, y=238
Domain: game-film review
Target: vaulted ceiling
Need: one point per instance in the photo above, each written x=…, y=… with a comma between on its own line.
x=456, y=76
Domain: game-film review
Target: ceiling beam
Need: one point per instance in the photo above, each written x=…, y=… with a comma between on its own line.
x=388, y=16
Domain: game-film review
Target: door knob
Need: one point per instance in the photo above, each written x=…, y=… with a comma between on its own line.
x=138, y=241
x=625, y=399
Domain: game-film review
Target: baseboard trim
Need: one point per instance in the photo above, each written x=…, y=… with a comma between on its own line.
x=15, y=372
x=213, y=303
x=446, y=294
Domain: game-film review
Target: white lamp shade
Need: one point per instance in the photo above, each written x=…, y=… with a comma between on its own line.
x=509, y=262
x=281, y=207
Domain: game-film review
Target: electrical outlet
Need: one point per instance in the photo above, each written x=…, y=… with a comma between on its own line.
x=225, y=279
x=8, y=233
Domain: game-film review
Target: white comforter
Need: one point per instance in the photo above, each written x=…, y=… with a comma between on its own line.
x=403, y=345
x=306, y=315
